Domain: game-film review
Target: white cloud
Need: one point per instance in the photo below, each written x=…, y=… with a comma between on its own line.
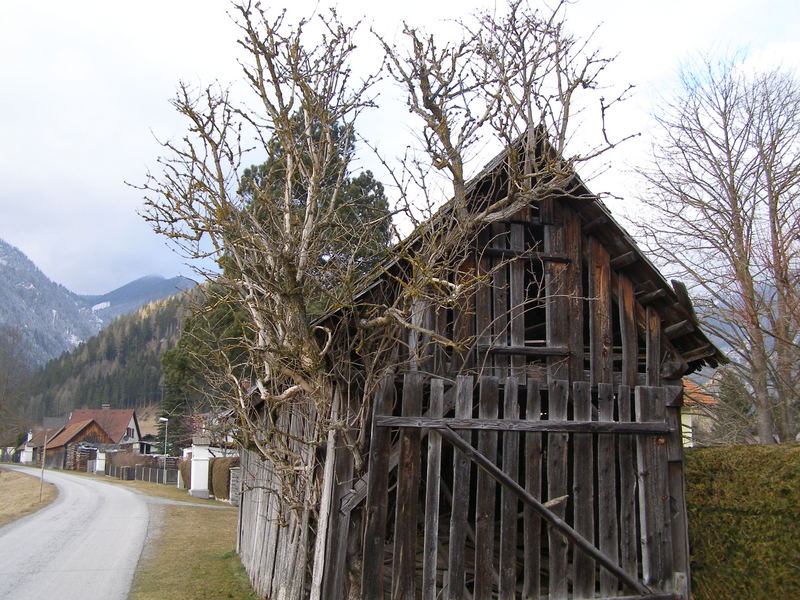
x=84, y=85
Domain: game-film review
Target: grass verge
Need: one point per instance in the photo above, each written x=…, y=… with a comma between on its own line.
x=19, y=495
x=192, y=558
x=170, y=492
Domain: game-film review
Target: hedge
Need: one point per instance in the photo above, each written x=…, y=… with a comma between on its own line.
x=185, y=467
x=219, y=476
x=744, y=521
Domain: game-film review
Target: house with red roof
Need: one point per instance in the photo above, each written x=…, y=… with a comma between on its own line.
x=696, y=412
x=120, y=424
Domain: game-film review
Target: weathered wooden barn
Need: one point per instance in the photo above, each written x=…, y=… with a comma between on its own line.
x=67, y=449
x=538, y=457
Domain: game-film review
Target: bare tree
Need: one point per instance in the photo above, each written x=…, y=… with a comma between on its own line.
x=13, y=370
x=513, y=80
x=723, y=192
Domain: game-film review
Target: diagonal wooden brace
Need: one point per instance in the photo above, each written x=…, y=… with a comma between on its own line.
x=554, y=520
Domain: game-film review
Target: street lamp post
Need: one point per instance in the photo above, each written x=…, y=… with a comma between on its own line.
x=166, y=434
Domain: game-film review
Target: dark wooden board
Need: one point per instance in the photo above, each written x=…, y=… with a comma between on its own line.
x=583, y=492
x=377, y=496
x=532, y=522
x=408, y=479
x=432, y=489
x=485, y=494
x=455, y=578
x=607, y=488
x=557, y=487
x=508, y=500
x=629, y=539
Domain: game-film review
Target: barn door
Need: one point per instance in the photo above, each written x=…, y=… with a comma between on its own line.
x=512, y=491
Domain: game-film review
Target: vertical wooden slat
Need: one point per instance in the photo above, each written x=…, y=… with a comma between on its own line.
x=517, y=299
x=485, y=499
x=377, y=495
x=653, y=350
x=509, y=503
x=333, y=587
x=556, y=487
x=607, y=488
x=460, y=502
x=483, y=306
x=600, y=320
x=408, y=477
x=662, y=483
x=557, y=319
x=463, y=358
x=627, y=320
x=441, y=358
x=532, y=522
x=500, y=299
x=432, y=481
x=574, y=289
x=583, y=492
x=649, y=509
x=556, y=302
x=629, y=542
x=677, y=493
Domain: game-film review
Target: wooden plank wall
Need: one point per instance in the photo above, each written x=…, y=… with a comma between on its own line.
x=460, y=536
x=440, y=527
x=273, y=544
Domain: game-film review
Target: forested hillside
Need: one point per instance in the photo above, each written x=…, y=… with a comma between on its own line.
x=120, y=366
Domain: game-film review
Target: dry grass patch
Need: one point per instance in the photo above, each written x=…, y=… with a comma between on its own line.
x=19, y=495
x=193, y=558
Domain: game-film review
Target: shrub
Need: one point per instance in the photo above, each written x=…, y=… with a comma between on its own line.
x=185, y=467
x=220, y=476
x=744, y=521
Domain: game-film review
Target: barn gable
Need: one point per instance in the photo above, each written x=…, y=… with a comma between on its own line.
x=536, y=455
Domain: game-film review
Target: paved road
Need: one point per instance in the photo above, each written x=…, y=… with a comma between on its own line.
x=84, y=546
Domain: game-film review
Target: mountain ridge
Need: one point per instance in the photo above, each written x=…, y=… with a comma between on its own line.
x=51, y=319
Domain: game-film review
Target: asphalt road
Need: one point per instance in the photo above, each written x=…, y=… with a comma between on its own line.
x=84, y=546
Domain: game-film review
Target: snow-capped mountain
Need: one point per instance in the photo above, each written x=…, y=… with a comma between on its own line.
x=51, y=319
x=135, y=294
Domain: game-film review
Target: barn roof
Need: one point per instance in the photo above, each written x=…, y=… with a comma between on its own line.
x=670, y=299
x=114, y=421
x=72, y=430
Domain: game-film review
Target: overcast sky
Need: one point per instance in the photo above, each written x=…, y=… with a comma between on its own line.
x=84, y=90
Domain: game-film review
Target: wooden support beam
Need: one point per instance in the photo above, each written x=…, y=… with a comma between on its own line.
x=554, y=520
x=550, y=426
x=512, y=254
x=595, y=224
x=651, y=297
x=678, y=329
x=624, y=260
x=699, y=353
x=526, y=350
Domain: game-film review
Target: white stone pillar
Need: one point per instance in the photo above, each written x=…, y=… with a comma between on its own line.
x=200, y=464
x=100, y=463
x=26, y=456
